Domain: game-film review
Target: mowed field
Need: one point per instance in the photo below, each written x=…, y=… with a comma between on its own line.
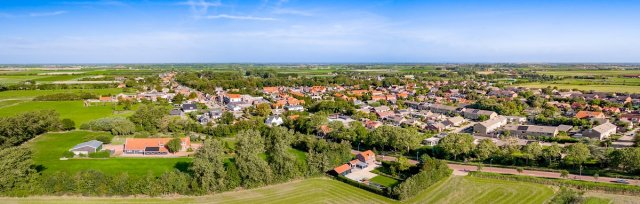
x=48, y=149
x=73, y=110
x=456, y=189
x=29, y=94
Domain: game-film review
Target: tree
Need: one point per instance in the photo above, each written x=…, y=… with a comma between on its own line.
x=485, y=149
x=106, y=139
x=68, y=124
x=149, y=117
x=254, y=170
x=17, y=168
x=178, y=98
x=479, y=167
x=263, y=109
x=552, y=152
x=533, y=151
x=20, y=128
x=208, y=166
x=577, y=153
x=457, y=144
x=564, y=173
x=174, y=145
x=227, y=118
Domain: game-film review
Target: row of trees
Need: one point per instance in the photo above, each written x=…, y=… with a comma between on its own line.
x=460, y=146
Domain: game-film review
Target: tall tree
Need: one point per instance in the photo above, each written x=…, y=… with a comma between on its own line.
x=254, y=170
x=577, y=153
x=208, y=166
x=485, y=149
x=457, y=144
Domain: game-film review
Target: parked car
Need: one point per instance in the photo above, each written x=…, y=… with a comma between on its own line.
x=622, y=181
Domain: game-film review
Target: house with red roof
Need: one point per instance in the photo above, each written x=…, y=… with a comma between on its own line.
x=152, y=146
x=589, y=114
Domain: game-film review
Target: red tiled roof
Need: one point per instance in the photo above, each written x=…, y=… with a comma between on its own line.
x=367, y=154
x=588, y=114
x=142, y=143
x=233, y=95
x=342, y=168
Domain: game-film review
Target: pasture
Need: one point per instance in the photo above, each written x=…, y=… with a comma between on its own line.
x=600, y=88
x=29, y=94
x=48, y=148
x=587, y=72
x=73, y=110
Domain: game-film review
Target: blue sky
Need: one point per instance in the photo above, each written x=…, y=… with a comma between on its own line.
x=263, y=31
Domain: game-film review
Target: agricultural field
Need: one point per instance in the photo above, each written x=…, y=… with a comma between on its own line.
x=601, y=88
x=48, y=149
x=29, y=94
x=73, y=110
x=589, y=72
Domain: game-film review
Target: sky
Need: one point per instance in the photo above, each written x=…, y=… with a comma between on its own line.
x=323, y=31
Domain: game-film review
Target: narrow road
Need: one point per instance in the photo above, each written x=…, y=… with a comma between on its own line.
x=460, y=169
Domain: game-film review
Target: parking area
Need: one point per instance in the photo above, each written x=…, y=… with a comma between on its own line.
x=363, y=174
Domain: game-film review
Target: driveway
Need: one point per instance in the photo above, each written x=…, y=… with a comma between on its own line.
x=362, y=174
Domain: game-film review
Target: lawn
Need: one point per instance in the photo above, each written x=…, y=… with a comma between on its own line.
x=28, y=94
x=48, y=148
x=458, y=189
x=589, y=72
x=384, y=180
x=73, y=110
x=323, y=190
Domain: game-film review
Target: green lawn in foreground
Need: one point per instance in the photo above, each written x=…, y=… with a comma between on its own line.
x=323, y=190
x=28, y=94
x=594, y=200
x=48, y=149
x=73, y=110
x=458, y=189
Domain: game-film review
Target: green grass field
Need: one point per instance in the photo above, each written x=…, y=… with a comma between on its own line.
x=589, y=72
x=29, y=94
x=385, y=181
x=73, y=110
x=48, y=149
x=602, y=88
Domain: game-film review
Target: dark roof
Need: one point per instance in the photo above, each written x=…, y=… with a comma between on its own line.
x=152, y=149
x=93, y=144
x=189, y=106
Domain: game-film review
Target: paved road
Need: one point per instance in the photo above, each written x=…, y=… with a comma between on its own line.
x=460, y=169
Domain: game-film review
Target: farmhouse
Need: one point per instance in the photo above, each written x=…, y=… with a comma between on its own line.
x=152, y=146
x=87, y=147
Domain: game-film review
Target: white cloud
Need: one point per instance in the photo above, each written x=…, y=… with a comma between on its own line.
x=200, y=8
x=41, y=14
x=234, y=17
x=287, y=11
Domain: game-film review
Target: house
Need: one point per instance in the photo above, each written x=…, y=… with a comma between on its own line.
x=343, y=169
x=589, y=114
x=189, y=107
x=106, y=99
x=490, y=125
x=532, y=130
x=87, y=147
x=366, y=157
x=601, y=131
x=631, y=117
x=437, y=126
x=475, y=114
x=229, y=98
x=294, y=108
x=152, y=146
x=175, y=112
x=442, y=109
x=273, y=120
x=454, y=121
x=371, y=124
x=432, y=141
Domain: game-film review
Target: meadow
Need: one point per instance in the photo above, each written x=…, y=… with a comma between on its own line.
x=48, y=148
x=29, y=94
x=73, y=110
x=600, y=88
x=589, y=72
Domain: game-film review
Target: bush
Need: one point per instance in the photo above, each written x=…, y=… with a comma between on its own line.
x=432, y=172
x=104, y=139
x=68, y=154
x=100, y=154
x=174, y=145
x=68, y=124
x=65, y=97
x=117, y=126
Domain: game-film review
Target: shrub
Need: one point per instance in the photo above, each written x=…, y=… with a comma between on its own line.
x=68, y=154
x=68, y=124
x=174, y=145
x=65, y=97
x=432, y=172
x=104, y=139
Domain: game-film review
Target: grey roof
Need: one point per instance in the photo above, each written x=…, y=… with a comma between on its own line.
x=189, y=106
x=93, y=143
x=604, y=127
